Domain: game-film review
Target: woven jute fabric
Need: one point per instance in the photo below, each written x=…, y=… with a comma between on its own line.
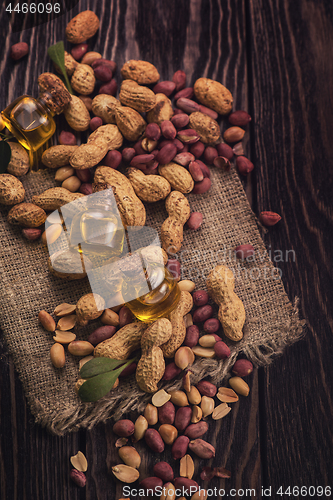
x=272, y=322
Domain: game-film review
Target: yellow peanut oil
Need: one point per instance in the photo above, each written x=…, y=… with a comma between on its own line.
x=30, y=121
x=162, y=298
x=98, y=234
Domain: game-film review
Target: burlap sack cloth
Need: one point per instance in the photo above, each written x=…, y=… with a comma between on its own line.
x=27, y=287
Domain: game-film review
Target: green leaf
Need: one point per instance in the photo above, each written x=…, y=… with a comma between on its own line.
x=5, y=156
x=97, y=366
x=57, y=54
x=96, y=387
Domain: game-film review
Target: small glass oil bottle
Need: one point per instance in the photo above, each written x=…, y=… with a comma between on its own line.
x=162, y=298
x=30, y=120
x=97, y=231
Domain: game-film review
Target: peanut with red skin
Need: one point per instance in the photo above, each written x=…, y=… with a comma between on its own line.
x=244, y=251
x=171, y=371
x=192, y=336
x=195, y=171
x=109, y=88
x=195, y=221
x=197, y=149
x=165, y=88
x=187, y=92
x=244, y=165
x=205, y=170
x=103, y=73
x=179, y=78
x=202, y=313
x=242, y=367
x=239, y=118
x=211, y=325
x=154, y=440
x=164, y=471
x=86, y=188
x=210, y=154
x=195, y=431
x=123, y=428
x=225, y=150
x=269, y=218
x=180, y=120
x=202, y=187
x=168, y=130
x=206, y=388
x=128, y=154
x=200, y=298
x=221, y=349
x=19, y=50
x=183, y=418
x=67, y=138
x=166, y=413
x=79, y=50
x=179, y=447
x=102, y=333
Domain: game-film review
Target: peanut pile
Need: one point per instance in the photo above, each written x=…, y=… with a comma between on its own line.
x=164, y=148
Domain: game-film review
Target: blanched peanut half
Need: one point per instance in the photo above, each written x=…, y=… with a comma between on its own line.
x=140, y=427
x=67, y=322
x=64, y=309
x=160, y=398
x=207, y=406
x=79, y=462
x=196, y=414
x=221, y=411
x=226, y=395
x=51, y=234
x=184, y=357
x=186, y=468
x=57, y=355
x=186, y=286
x=64, y=337
x=203, y=352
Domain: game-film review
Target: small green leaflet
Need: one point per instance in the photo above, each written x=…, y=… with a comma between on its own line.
x=57, y=54
x=99, y=365
x=5, y=156
x=99, y=385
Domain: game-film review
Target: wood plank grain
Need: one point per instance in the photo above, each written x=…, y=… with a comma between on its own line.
x=292, y=74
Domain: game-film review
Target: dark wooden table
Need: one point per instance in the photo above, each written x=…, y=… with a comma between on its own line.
x=276, y=58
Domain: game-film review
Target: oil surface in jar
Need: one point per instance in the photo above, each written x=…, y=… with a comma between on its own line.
x=29, y=122
x=162, y=298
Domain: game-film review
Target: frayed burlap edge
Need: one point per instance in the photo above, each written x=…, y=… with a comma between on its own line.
x=272, y=321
